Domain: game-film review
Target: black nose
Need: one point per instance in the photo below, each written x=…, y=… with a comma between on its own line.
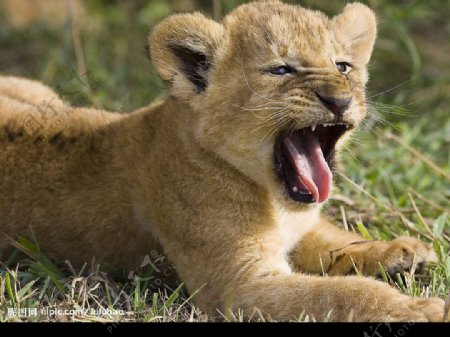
x=335, y=105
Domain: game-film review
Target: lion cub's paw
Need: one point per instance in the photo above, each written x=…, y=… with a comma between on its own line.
x=428, y=309
x=416, y=310
x=396, y=256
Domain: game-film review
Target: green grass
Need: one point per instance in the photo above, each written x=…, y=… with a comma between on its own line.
x=394, y=179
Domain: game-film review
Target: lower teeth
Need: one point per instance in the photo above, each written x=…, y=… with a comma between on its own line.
x=295, y=190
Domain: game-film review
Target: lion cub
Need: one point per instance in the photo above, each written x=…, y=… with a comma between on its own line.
x=226, y=175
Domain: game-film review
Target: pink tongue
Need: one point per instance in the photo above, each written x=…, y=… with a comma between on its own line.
x=306, y=157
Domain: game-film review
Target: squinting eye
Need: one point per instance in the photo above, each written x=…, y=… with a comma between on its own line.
x=343, y=67
x=281, y=70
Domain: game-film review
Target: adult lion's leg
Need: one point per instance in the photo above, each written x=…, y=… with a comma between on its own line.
x=328, y=249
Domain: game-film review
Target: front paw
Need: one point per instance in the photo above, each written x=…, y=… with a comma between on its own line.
x=417, y=310
x=396, y=256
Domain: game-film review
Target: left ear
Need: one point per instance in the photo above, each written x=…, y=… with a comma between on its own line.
x=357, y=25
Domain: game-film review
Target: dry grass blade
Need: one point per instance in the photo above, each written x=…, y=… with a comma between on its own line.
x=424, y=222
x=419, y=155
x=429, y=202
x=447, y=310
x=387, y=207
x=79, y=55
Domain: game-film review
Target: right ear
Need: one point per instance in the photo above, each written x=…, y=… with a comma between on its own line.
x=182, y=49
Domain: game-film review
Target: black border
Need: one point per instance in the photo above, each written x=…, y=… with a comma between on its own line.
x=322, y=329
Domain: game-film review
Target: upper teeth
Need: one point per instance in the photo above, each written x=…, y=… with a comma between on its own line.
x=313, y=127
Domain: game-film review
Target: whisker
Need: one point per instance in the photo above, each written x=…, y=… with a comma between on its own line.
x=387, y=105
x=279, y=127
x=256, y=106
x=359, y=141
x=389, y=90
x=394, y=109
x=374, y=118
x=275, y=122
x=350, y=152
x=266, y=123
x=282, y=109
x=271, y=117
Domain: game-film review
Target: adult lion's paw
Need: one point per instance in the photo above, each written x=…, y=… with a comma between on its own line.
x=396, y=256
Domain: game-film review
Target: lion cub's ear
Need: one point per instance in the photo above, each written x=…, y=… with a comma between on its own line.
x=357, y=24
x=182, y=49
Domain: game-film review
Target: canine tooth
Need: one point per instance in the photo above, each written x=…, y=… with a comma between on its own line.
x=294, y=189
x=313, y=127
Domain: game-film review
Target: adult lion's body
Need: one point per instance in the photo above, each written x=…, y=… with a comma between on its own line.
x=224, y=176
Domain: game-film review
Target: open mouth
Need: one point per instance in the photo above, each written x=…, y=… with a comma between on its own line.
x=304, y=160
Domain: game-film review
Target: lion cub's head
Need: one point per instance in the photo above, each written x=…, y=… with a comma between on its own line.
x=274, y=88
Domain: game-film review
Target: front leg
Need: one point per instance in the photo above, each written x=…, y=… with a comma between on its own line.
x=338, y=298
x=329, y=249
x=247, y=272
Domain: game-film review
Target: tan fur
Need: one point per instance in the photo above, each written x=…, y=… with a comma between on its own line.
x=194, y=173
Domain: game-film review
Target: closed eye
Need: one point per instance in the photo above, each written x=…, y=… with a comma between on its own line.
x=281, y=70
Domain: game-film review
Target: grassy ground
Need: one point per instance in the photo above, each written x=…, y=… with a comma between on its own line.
x=395, y=178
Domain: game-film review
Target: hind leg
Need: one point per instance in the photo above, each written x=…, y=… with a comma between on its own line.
x=28, y=91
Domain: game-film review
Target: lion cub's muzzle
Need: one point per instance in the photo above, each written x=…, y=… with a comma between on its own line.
x=337, y=105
